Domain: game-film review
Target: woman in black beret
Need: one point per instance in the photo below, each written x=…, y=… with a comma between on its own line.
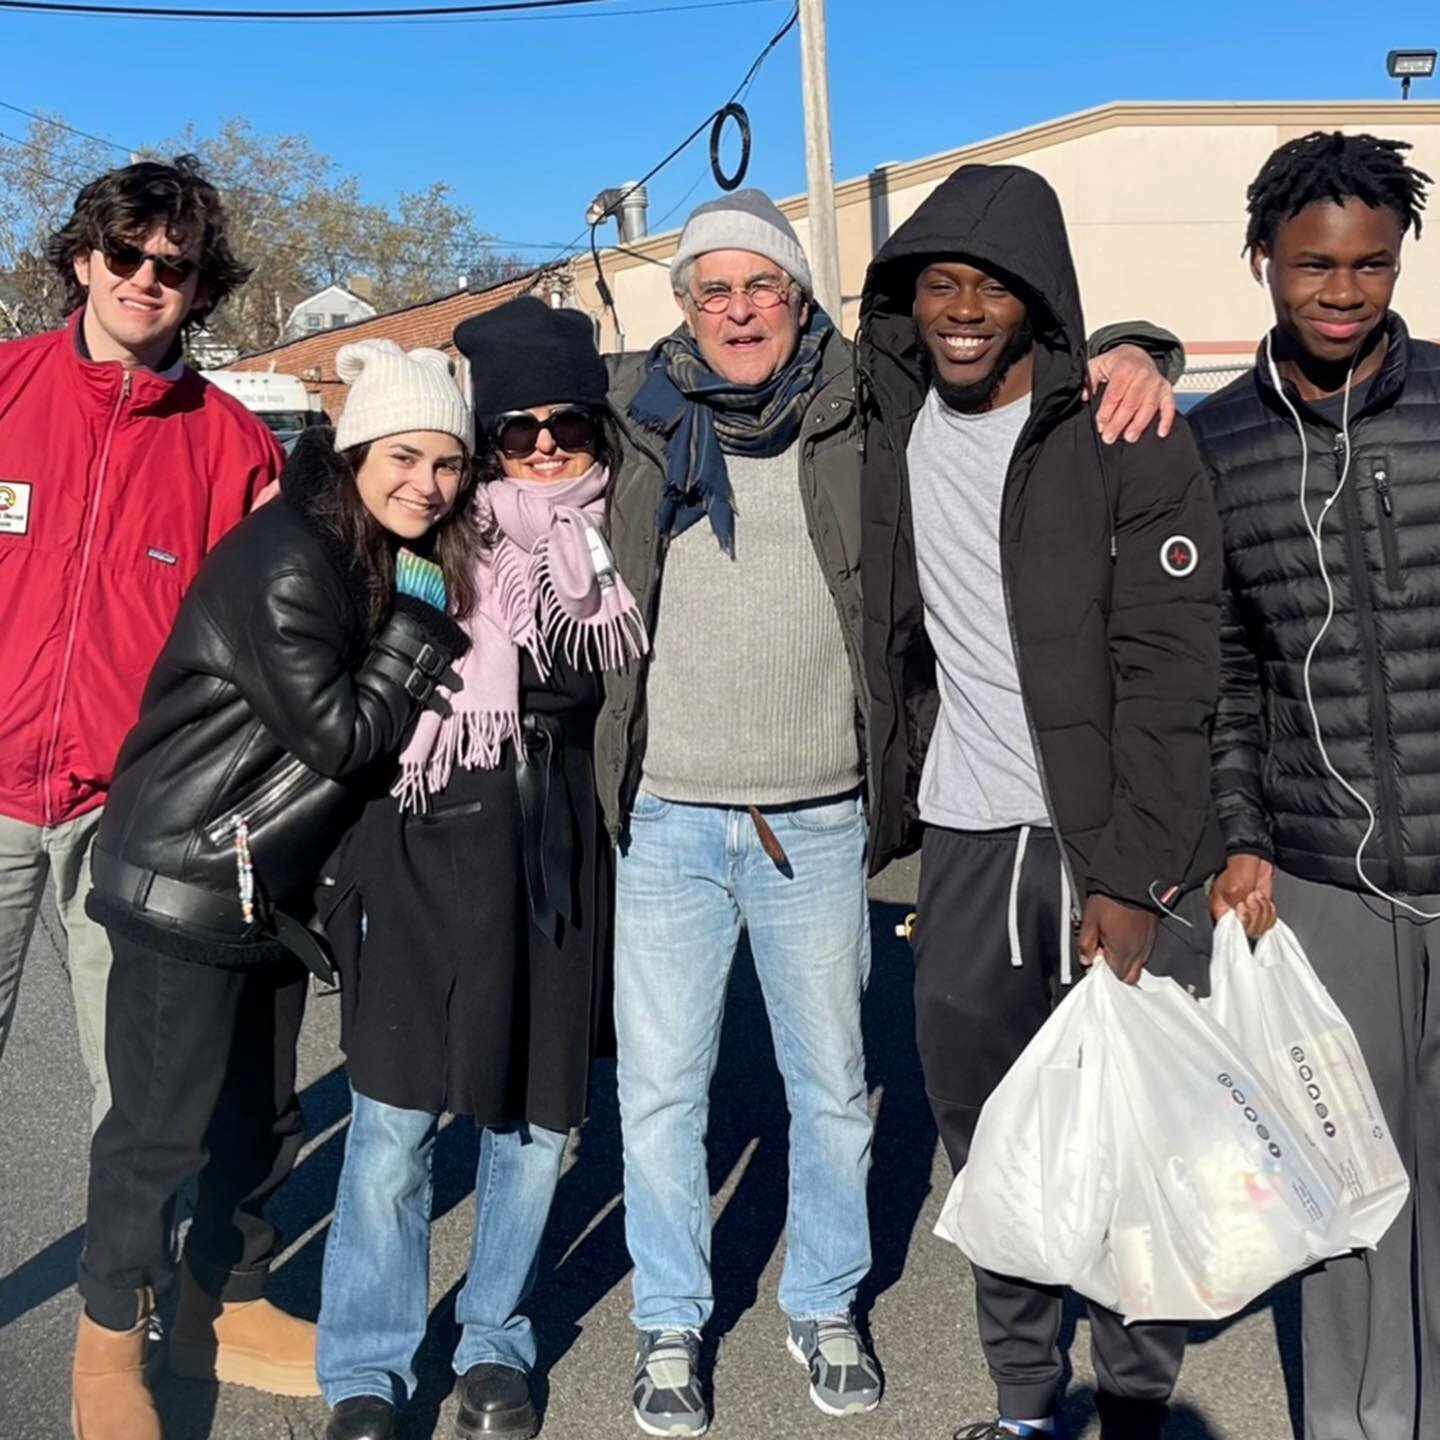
x=470, y=907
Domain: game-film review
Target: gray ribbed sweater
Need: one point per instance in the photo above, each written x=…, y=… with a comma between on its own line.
x=749, y=699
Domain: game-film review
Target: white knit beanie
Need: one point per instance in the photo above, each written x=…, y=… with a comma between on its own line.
x=743, y=220
x=392, y=391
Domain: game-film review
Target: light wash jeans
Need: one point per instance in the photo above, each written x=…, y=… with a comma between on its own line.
x=375, y=1293
x=28, y=853
x=690, y=878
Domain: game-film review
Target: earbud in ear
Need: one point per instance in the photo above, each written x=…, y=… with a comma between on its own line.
x=1265, y=271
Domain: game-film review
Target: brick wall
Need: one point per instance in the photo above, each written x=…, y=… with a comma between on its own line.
x=431, y=323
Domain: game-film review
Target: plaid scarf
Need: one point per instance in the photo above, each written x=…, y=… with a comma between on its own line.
x=703, y=417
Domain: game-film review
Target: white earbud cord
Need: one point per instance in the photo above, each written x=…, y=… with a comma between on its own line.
x=1314, y=529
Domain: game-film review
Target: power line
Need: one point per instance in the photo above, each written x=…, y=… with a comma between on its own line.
x=235, y=187
x=743, y=88
x=498, y=9
x=43, y=174
x=70, y=129
x=563, y=252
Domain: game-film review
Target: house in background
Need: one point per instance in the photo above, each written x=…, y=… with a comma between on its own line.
x=332, y=307
x=431, y=322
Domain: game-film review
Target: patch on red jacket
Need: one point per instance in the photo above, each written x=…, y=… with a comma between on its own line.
x=14, y=507
x=1179, y=556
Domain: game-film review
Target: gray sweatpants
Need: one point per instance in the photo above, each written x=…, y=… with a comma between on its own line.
x=1371, y=1320
x=28, y=853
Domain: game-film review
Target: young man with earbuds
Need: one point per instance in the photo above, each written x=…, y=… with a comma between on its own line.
x=1326, y=464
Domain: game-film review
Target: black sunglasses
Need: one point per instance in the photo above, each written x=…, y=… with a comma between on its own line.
x=572, y=429
x=126, y=261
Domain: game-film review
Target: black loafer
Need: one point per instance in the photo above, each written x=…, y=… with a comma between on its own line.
x=495, y=1400
x=366, y=1417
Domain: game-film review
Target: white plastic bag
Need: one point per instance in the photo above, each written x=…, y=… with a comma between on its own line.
x=1035, y=1198
x=1276, y=1007
x=1218, y=1196
x=1134, y=1154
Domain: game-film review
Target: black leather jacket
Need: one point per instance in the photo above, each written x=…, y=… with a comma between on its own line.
x=269, y=705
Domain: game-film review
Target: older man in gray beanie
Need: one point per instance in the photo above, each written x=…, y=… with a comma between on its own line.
x=731, y=767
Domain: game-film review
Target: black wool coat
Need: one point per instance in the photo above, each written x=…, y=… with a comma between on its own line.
x=454, y=997
x=1116, y=644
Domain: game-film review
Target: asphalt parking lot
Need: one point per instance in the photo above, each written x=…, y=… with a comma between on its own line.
x=1238, y=1381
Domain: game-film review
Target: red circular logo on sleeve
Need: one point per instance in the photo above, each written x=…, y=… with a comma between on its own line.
x=1179, y=556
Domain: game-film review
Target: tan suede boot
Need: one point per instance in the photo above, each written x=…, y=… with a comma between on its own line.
x=242, y=1342
x=109, y=1398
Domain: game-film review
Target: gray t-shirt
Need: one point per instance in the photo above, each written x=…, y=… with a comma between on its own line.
x=980, y=771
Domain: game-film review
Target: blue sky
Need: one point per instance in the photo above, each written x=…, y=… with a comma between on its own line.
x=528, y=119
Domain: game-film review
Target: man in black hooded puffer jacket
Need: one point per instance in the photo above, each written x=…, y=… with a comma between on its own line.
x=1327, y=737
x=1041, y=642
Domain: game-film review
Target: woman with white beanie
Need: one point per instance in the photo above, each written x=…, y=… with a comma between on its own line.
x=310, y=640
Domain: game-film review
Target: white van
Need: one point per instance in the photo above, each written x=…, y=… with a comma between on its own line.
x=281, y=401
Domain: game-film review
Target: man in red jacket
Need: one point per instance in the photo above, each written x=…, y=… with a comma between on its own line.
x=120, y=467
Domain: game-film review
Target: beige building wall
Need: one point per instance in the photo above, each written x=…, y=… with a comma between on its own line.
x=1154, y=196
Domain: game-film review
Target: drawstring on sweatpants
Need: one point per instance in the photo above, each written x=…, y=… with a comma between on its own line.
x=1013, y=917
x=1065, y=928
x=1013, y=914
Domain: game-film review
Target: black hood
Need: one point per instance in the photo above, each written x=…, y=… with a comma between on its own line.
x=1006, y=221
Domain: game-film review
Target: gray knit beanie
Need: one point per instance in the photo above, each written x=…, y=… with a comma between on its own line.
x=392, y=391
x=743, y=220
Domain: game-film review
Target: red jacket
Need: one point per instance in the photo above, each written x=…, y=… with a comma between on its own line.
x=114, y=485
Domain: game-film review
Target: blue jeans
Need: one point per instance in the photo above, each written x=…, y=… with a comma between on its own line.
x=375, y=1295
x=689, y=879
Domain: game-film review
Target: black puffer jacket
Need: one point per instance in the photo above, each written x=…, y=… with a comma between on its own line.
x=266, y=703
x=1118, y=658
x=1376, y=676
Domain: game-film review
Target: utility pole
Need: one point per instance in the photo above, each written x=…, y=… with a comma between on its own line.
x=819, y=166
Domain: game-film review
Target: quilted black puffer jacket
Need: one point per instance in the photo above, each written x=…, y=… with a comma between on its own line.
x=1376, y=676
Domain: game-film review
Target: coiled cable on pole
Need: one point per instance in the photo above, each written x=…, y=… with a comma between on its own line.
x=715, y=121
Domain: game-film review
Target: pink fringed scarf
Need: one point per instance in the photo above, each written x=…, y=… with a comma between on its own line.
x=538, y=591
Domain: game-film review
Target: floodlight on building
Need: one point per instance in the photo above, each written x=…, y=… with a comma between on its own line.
x=1405, y=65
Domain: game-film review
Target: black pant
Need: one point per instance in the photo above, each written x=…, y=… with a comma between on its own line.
x=202, y=1074
x=975, y=1011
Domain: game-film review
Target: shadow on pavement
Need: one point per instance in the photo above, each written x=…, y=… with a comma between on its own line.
x=584, y=1256
x=1184, y=1422
x=40, y=1278
x=904, y=1150
x=1284, y=1304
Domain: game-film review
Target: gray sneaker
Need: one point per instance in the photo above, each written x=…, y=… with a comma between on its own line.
x=666, y=1396
x=844, y=1379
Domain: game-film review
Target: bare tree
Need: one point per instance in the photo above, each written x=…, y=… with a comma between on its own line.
x=40, y=174
x=293, y=215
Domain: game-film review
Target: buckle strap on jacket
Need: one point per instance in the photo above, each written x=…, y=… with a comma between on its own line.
x=192, y=905
x=418, y=674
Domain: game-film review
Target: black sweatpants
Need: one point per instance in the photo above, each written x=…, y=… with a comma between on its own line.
x=975, y=1011
x=202, y=1074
